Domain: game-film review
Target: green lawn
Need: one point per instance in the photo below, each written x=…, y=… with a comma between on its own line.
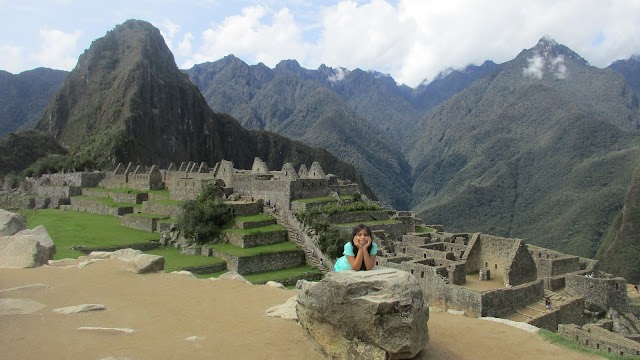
x=72, y=228
x=277, y=275
x=174, y=260
x=322, y=199
x=263, y=277
x=424, y=229
x=257, y=250
x=555, y=338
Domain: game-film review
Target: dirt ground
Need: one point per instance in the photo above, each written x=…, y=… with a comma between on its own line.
x=226, y=317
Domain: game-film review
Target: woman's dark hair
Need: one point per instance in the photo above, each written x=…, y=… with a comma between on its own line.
x=354, y=232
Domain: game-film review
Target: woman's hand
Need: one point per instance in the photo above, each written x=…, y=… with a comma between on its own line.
x=368, y=244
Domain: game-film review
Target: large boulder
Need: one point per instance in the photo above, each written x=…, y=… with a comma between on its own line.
x=138, y=262
x=21, y=251
x=376, y=314
x=11, y=223
x=40, y=233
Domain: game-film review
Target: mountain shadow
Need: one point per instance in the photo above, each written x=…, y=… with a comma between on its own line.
x=620, y=250
x=23, y=97
x=126, y=101
x=543, y=150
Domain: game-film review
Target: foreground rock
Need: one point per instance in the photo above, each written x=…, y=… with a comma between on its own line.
x=11, y=223
x=139, y=262
x=377, y=314
x=26, y=249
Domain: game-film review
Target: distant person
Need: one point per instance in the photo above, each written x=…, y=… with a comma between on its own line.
x=269, y=202
x=360, y=252
x=547, y=303
x=635, y=287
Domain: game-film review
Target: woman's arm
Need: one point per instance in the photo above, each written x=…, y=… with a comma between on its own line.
x=362, y=256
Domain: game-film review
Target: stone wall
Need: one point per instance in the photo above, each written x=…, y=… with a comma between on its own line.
x=75, y=179
x=139, y=222
x=299, y=206
x=173, y=211
x=604, y=293
x=502, y=302
x=571, y=312
x=597, y=338
x=309, y=188
x=521, y=269
x=183, y=189
x=263, y=262
x=416, y=239
x=87, y=205
x=275, y=191
x=425, y=253
x=133, y=198
x=12, y=201
x=56, y=191
x=254, y=224
x=257, y=239
x=241, y=208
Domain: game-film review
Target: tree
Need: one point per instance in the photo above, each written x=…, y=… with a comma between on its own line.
x=202, y=219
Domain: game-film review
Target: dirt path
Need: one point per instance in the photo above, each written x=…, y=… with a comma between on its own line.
x=227, y=317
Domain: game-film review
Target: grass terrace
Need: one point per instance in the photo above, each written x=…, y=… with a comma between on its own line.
x=166, y=201
x=72, y=228
x=256, y=250
x=321, y=199
x=107, y=201
x=174, y=260
x=260, y=230
x=555, y=338
x=167, y=221
x=280, y=275
x=149, y=216
x=424, y=229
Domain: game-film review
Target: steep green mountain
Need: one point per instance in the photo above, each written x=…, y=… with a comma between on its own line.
x=19, y=150
x=621, y=247
x=630, y=69
x=543, y=150
x=24, y=96
x=126, y=101
x=303, y=109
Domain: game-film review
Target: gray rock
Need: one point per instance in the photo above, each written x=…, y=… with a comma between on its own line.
x=138, y=262
x=11, y=223
x=106, y=330
x=19, y=306
x=232, y=275
x=285, y=311
x=22, y=251
x=79, y=308
x=275, y=284
x=43, y=238
x=377, y=314
x=26, y=287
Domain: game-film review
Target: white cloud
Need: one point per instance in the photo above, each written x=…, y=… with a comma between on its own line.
x=11, y=59
x=57, y=49
x=535, y=68
x=184, y=47
x=258, y=34
x=338, y=75
x=559, y=67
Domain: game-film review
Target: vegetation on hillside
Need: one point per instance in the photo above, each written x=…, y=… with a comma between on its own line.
x=19, y=150
x=202, y=219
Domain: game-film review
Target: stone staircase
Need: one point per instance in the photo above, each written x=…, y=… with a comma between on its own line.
x=538, y=307
x=309, y=254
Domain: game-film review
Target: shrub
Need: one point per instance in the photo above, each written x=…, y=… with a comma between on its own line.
x=202, y=219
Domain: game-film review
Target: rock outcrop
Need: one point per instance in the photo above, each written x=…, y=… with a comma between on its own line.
x=26, y=249
x=11, y=223
x=377, y=314
x=138, y=262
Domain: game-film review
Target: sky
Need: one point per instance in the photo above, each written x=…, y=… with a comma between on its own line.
x=411, y=40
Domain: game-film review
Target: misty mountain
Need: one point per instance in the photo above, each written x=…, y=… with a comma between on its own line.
x=544, y=150
x=126, y=101
x=24, y=96
x=630, y=69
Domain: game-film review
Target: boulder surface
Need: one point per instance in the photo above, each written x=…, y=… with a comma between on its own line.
x=376, y=314
x=11, y=223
